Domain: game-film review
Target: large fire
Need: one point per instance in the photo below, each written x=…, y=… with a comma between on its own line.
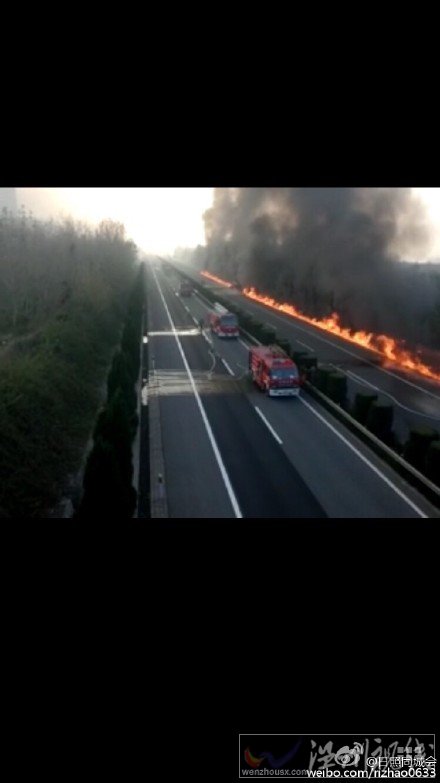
x=216, y=279
x=381, y=344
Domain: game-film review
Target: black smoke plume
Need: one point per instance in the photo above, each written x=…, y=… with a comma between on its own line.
x=331, y=250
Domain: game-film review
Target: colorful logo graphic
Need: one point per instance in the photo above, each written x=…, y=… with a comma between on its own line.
x=255, y=761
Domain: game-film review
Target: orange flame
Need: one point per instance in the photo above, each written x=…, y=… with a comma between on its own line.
x=381, y=344
x=216, y=279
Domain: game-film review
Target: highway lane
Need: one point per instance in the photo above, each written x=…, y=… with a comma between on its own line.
x=416, y=399
x=194, y=485
x=346, y=478
x=264, y=482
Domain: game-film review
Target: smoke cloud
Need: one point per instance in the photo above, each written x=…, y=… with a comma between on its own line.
x=331, y=250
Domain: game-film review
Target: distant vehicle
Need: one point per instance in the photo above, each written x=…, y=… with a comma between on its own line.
x=223, y=323
x=273, y=371
x=186, y=288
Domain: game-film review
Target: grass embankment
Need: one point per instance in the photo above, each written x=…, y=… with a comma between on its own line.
x=50, y=389
x=64, y=291
x=108, y=489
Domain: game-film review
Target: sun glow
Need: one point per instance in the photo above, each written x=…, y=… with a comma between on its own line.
x=157, y=219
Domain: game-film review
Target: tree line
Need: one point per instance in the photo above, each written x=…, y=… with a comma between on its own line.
x=64, y=294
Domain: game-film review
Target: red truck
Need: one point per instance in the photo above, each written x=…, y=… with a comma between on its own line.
x=273, y=371
x=223, y=323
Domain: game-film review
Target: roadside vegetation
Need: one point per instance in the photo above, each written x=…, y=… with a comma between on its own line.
x=108, y=489
x=64, y=294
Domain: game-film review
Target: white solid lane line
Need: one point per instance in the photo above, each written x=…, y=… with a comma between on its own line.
x=211, y=437
x=305, y=346
x=231, y=372
x=364, y=459
x=269, y=426
x=243, y=344
x=363, y=382
x=358, y=378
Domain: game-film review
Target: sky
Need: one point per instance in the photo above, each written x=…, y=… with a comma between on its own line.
x=157, y=219
x=160, y=219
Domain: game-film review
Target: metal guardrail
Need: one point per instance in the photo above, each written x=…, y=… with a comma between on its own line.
x=429, y=490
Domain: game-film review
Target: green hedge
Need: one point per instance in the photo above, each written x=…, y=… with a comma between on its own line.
x=432, y=462
x=298, y=356
x=380, y=420
x=285, y=345
x=109, y=469
x=362, y=403
x=321, y=377
x=416, y=447
x=337, y=387
x=106, y=493
x=268, y=335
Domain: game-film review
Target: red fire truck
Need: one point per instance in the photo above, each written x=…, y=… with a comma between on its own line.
x=223, y=323
x=273, y=371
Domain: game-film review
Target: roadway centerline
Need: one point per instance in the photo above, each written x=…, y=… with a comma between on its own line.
x=209, y=431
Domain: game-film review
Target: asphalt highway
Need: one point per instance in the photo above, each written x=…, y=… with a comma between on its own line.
x=230, y=451
x=416, y=399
